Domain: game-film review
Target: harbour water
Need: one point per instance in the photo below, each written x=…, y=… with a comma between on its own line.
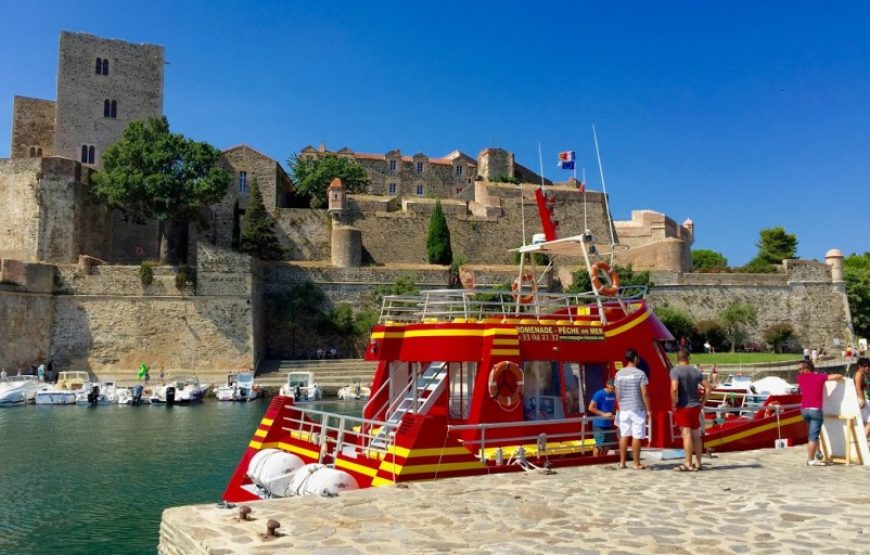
x=96, y=480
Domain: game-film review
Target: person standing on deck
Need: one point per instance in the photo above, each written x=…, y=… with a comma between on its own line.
x=602, y=405
x=685, y=380
x=812, y=386
x=632, y=401
x=862, y=380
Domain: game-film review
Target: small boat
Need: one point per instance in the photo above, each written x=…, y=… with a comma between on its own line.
x=102, y=393
x=239, y=387
x=64, y=392
x=18, y=390
x=136, y=395
x=301, y=386
x=355, y=391
x=180, y=391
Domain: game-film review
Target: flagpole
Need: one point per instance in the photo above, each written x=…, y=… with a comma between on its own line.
x=604, y=189
x=585, y=216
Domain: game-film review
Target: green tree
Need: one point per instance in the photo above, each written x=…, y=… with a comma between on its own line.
x=709, y=330
x=775, y=245
x=258, y=230
x=856, y=272
x=438, y=238
x=778, y=334
x=758, y=266
x=152, y=173
x=313, y=174
x=627, y=276
x=705, y=260
x=678, y=321
x=734, y=319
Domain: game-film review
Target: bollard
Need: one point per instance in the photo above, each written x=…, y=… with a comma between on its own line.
x=244, y=511
x=272, y=526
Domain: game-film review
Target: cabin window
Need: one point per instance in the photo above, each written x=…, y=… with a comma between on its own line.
x=542, y=393
x=574, y=397
x=461, y=381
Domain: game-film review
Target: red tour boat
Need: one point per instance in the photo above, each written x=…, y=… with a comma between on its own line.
x=473, y=381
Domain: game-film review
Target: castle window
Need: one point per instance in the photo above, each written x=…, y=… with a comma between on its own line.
x=419, y=167
x=105, y=67
x=391, y=188
x=99, y=66
x=39, y=152
x=458, y=170
x=32, y=152
x=102, y=66
x=243, y=182
x=458, y=190
x=393, y=166
x=88, y=154
x=419, y=190
x=110, y=108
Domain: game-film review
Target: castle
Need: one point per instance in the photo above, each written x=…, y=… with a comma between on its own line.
x=50, y=221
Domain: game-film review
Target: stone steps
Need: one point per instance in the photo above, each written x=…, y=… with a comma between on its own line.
x=327, y=373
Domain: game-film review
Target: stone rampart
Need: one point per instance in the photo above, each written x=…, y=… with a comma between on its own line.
x=32, y=127
x=26, y=330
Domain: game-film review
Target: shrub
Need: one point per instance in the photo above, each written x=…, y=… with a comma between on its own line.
x=184, y=276
x=710, y=330
x=678, y=321
x=778, y=335
x=146, y=273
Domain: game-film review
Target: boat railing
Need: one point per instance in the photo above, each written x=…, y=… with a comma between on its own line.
x=464, y=305
x=334, y=433
x=582, y=434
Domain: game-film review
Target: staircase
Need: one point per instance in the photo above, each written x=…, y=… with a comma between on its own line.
x=417, y=398
x=329, y=374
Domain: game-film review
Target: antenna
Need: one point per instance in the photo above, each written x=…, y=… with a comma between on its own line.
x=604, y=190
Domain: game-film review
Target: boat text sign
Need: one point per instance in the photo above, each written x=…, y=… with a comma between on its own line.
x=559, y=333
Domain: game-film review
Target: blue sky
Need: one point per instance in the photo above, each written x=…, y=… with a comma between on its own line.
x=739, y=115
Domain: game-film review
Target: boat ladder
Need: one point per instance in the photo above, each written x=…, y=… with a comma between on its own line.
x=418, y=397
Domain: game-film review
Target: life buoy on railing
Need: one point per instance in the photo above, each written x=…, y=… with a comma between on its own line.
x=613, y=288
x=506, y=384
x=517, y=287
x=771, y=409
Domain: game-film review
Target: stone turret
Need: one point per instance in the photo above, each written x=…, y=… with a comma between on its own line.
x=834, y=259
x=336, y=197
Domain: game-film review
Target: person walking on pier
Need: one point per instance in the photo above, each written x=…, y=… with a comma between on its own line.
x=812, y=385
x=862, y=381
x=685, y=381
x=602, y=404
x=632, y=401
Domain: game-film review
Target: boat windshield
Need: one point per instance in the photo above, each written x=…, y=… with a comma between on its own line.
x=245, y=378
x=299, y=380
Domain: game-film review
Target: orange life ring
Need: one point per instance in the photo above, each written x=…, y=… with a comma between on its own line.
x=506, y=384
x=613, y=288
x=772, y=409
x=517, y=286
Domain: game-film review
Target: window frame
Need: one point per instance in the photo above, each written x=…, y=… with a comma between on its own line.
x=243, y=183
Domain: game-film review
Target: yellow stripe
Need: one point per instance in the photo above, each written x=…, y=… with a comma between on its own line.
x=299, y=450
x=552, y=448
x=260, y=433
x=255, y=445
x=266, y=422
x=379, y=482
x=624, y=328
x=506, y=352
x=505, y=341
x=400, y=334
x=427, y=468
x=358, y=468
x=752, y=431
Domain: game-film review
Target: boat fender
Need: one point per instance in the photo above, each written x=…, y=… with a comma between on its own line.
x=506, y=384
x=772, y=408
x=273, y=470
x=517, y=286
x=613, y=288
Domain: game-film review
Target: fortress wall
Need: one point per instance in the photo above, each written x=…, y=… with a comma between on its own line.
x=19, y=226
x=32, y=126
x=304, y=232
x=26, y=330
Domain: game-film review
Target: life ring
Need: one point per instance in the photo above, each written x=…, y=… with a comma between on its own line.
x=772, y=409
x=517, y=286
x=506, y=384
x=613, y=288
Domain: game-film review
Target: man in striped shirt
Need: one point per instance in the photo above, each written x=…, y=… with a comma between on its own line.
x=632, y=400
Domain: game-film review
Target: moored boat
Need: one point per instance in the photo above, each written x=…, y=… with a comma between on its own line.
x=19, y=390
x=69, y=384
x=180, y=391
x=355, y=391
x=239, y=387
x=301, y=386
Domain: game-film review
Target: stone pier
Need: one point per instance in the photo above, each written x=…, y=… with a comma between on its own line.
x=764, y=501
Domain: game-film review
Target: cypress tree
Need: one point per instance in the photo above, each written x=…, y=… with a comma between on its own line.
x=438, y=238
x=258, y=230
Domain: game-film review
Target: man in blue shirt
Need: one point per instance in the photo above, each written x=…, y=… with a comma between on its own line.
x=602, y=405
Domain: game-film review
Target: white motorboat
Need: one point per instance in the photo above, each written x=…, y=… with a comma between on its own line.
x=355, y=391
x=180, y=391
x=18, y=390
x=64, y=392
x=103, y=393
x=239, y=387
x=136, y=395
x=301, y=387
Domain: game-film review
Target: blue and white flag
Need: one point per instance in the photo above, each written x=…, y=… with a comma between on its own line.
x=566, y=160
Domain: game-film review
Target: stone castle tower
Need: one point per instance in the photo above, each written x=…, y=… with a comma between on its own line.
x=102, y=85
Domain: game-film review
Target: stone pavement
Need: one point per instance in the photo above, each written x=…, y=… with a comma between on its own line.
x=764, y=501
